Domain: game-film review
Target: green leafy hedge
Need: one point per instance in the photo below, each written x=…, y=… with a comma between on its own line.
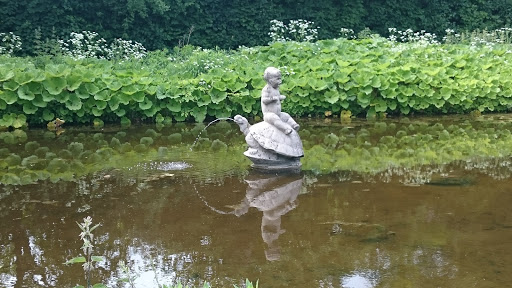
x=366, y=77
x=228, y=24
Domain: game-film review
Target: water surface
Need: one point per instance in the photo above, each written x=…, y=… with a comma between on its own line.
x=203, y=215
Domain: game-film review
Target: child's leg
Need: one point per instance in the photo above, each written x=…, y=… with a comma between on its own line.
x=289, y=120
x=273, y=119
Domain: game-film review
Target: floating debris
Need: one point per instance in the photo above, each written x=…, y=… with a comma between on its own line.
x=52, y=125
x=367, y=232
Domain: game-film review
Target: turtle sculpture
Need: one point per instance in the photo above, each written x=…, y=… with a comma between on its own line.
x=269, y=147
x=274, y=144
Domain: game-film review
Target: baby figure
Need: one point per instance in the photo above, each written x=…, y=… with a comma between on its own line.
x=271, y=103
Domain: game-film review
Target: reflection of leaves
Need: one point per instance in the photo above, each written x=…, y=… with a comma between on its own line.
x=13, y=120
x=9, y=97
x=80, y=259
x=97, y=258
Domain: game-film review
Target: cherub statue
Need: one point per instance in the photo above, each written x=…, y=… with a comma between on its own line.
x=271, y=103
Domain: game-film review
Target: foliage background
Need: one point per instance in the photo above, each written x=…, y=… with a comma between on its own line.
x=226, y=24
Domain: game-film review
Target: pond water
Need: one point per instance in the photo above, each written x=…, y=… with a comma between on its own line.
x=176, y=214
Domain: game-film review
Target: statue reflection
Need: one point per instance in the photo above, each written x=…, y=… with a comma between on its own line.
x=274, y=195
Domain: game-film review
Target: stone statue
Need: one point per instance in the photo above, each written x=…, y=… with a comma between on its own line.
x=274, y=144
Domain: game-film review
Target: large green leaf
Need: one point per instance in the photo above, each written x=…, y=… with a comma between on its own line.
x=114, y=85
x=318, y=84
x=314, y=64
x=150, y=90
x=405, y=109
x=247, y=106
x=114, y=102
x=363, y=99
x=173, y=105
x=122, y=98
x=199, y=113
x=11, y=85
x=101, y=104
x=47, y=97
x=161, y=93
x=367, y=89
x=57, y=70
x=25, y=93
x=237, y=86
x=92, y=88
x=341, y=77
x=103, y=95
x=138, y=96
x=380, y=105
x=82, y=92
x=376, y=82
x=446, y=92
x=29, y=108
x=48, y=115
x=24, y=77
x=6, y=72
x=218, y=96
x=258, y=82
x=331, y=96
x=220, y=85
x=39, y=101
x=74, y=103
x=54, y=85
x=175, y=92
x=180, y=117
x=151, y=111
x=73, y=81
x=96, y=111
x=131, y=89
x=8, y=96
x=363, y=78
x=146, y=104
x=201, y=98
x=62, y=97
x=87, y=74
x=145, y=80
x=120, y=112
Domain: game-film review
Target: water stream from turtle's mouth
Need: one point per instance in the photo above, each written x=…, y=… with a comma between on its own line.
x=216, y=120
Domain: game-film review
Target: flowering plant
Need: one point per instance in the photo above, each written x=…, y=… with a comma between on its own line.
x=297, y=30
x=87, y=44
x=9, y=43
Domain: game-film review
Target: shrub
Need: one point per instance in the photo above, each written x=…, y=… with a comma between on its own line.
x=9, y=43
x=296, y=30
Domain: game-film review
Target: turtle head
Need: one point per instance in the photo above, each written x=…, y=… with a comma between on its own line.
x=243, y=123
x=241, y=120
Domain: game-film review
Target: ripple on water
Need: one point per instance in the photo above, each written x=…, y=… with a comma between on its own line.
x=161, y=166
x=171, y=166
x=154, y=168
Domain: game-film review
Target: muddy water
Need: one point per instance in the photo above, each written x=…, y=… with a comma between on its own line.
x=341, y=229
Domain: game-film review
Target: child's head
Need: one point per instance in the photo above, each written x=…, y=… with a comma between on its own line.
x=270, y=73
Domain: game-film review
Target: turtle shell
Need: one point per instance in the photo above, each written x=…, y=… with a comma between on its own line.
x=271, y=138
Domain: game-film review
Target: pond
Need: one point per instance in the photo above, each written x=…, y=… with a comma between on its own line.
x=420, y=202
